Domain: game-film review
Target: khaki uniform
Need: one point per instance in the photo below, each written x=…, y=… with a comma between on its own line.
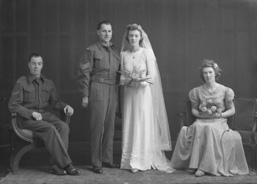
x=30, y=94
x=98, y=80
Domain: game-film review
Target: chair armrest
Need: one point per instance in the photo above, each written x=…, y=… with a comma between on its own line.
x=181, y=115
x=23, y=135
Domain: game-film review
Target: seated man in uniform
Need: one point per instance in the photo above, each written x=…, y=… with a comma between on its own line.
x=30, y=97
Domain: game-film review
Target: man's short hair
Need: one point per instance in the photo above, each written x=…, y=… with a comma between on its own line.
x=101, y=23
x=34, y=55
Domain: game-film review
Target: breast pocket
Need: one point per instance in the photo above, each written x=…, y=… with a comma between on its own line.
x=29, y=94
x=96, y=92
x=46, y=92
x=99, y=61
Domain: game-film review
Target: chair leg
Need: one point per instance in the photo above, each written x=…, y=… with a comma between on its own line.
x=17, y=155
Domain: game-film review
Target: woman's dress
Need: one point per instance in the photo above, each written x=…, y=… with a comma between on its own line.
x=209, y=144
x=139, y=131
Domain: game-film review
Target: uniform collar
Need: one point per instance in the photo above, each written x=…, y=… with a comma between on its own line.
x=99, y=44
x=31, y=78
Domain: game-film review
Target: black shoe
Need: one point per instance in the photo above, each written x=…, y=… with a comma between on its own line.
x=111, y=165
x=71, y=170
x=54, y=169
x=98, y=170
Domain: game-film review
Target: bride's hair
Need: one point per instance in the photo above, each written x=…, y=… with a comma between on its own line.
x=135, y=27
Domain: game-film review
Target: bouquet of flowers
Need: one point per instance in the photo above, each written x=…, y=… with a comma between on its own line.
x=209, y=107
x=135, y=76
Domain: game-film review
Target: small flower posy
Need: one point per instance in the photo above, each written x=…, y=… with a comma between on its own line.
x=135, y=76
x=210, y=107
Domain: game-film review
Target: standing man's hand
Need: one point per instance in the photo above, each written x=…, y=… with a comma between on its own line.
x=85, y=102
x=37, y=116
x=68, y=110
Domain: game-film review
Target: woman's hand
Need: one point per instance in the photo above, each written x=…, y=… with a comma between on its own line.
x=144, y=84
x=133, y=83
x=204, y=115
x=124, y=80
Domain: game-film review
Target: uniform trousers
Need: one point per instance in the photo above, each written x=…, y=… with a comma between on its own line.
x=103, y=100
x=54, y=133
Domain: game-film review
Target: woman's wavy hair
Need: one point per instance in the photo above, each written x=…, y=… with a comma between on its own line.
x=210, y=63
x=135, y=27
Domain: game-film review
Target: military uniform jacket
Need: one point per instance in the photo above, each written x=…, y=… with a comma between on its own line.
x=30, y=94
x=98, y=64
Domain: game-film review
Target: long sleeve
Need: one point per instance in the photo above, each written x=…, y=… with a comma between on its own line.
x=151, y=67
x=16, y=101
x=124, y=80
x=84, y=70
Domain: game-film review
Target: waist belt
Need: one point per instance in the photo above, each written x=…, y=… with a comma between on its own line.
x=110, y=81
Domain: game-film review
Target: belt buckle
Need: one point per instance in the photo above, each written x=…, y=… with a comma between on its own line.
x=101, y=80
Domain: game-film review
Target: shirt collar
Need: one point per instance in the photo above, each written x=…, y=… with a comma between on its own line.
x=31, y=78
x=99, y=44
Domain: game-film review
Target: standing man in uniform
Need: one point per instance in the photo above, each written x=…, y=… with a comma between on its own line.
x=98, y=84
x=30, y=98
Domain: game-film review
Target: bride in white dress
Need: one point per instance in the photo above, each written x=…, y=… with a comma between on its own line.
x=146, y=133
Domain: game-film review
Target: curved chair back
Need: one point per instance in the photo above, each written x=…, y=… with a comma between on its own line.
x=245, y=114
x=24, y=134
x=189, y=118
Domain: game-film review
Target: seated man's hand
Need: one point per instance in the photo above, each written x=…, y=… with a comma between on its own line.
x=68, y=110
x=37, y=116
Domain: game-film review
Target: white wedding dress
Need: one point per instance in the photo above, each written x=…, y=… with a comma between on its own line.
x=140, y=149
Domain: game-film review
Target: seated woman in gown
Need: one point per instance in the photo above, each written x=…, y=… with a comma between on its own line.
x=145, y=134
x=208, y=145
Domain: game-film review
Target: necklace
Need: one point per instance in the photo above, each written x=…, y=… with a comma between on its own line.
x=134, y=53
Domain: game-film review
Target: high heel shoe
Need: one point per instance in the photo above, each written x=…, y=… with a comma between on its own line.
x=199, y=173
x=133, y=170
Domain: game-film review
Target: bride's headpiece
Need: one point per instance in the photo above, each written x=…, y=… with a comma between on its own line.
x=134, y=25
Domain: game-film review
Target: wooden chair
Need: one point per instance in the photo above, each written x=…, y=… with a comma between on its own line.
x=245, y=123
x=26, y=135
x=186, y=117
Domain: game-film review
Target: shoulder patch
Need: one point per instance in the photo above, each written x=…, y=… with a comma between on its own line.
x=91, y=46
x=84, y=66
x=22, y=78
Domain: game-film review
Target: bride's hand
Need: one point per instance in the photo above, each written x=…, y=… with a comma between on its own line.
x=144, y=84
x=133, y=83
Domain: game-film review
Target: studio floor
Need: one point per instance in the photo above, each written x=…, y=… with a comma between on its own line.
x=34, y=170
